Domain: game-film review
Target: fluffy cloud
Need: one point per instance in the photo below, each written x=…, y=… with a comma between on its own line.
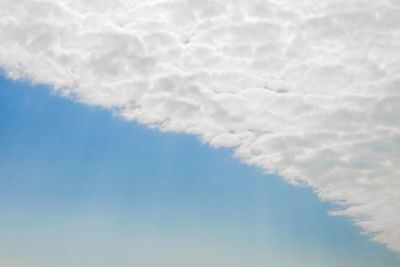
x=307, y=89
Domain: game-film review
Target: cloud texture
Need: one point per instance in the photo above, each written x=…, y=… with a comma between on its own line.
x=308, y=89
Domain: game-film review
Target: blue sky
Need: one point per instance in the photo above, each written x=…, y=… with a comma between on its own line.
x=80, y=187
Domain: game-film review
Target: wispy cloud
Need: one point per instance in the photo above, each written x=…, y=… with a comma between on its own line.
x=307, y=89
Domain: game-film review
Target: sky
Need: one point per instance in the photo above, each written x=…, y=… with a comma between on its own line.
x=306, y=91
x=81, y=187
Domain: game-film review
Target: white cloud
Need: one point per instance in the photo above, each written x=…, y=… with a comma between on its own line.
x=304, y=88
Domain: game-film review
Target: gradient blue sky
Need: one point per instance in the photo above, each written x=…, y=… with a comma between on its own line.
x=80, y=187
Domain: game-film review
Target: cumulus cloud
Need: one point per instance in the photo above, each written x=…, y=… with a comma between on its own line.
x=307, y=89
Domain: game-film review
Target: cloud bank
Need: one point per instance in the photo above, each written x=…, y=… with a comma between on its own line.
x=307, y=89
